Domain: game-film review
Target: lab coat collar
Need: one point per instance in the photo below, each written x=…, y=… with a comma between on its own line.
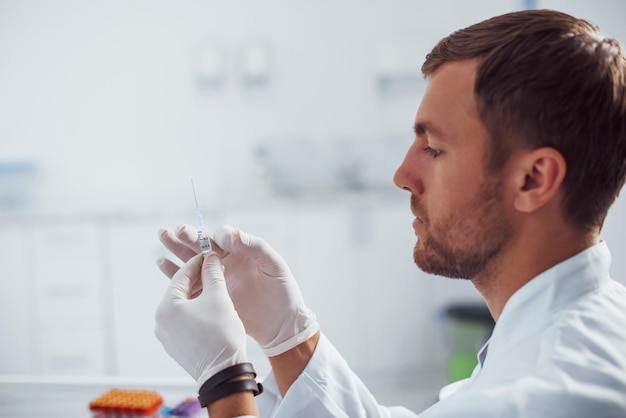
x=562, y=283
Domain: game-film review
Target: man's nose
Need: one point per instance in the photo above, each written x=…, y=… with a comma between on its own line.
x=407, y=176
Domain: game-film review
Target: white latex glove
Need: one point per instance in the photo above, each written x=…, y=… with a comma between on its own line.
x=261, y=286
x=203, y=333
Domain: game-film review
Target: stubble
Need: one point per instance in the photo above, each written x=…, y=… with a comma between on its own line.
x=466, y=243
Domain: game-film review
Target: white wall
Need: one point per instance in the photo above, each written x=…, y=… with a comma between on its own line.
x=103, y=99
x=103, y=96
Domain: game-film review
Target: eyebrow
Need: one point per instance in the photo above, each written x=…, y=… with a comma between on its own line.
x=424, y=127
x=418, y=128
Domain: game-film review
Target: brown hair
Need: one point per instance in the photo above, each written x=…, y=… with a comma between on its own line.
x=547, y=79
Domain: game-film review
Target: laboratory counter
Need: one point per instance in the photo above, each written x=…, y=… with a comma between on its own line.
x=52, y=397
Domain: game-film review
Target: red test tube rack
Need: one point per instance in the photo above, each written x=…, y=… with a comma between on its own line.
x=126, y=403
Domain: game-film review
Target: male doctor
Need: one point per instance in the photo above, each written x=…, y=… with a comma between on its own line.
x=519, y=151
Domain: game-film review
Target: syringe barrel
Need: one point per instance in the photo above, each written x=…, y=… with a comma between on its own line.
x=199, y=220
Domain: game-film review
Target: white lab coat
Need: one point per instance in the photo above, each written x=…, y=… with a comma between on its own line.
x=558, y=350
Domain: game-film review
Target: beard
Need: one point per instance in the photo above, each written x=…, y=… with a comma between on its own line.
x=463, y=244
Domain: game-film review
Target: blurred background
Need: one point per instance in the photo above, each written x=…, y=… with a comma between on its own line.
x=290, y=117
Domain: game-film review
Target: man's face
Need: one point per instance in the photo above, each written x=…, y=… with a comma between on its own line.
x=460, y=217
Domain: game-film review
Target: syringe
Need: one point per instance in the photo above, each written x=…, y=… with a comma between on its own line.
x=203, y=237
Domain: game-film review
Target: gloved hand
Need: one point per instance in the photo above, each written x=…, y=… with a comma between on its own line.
x=203, y=333
x=261, y=286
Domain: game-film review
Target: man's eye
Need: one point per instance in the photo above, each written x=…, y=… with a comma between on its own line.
x=435, y=153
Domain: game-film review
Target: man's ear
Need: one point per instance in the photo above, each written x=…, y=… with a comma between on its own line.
x=540, y=174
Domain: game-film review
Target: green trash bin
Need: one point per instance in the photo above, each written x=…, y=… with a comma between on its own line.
x=469, y=327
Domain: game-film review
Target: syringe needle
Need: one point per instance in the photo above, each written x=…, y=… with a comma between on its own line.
x=194, y=193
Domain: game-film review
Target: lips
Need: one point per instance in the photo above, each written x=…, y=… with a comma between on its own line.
x=415, y=210
x=419, y=219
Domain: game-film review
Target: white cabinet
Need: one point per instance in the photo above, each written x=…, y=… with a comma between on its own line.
x=67, y=300
x=16, y=287
x=78, y=296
